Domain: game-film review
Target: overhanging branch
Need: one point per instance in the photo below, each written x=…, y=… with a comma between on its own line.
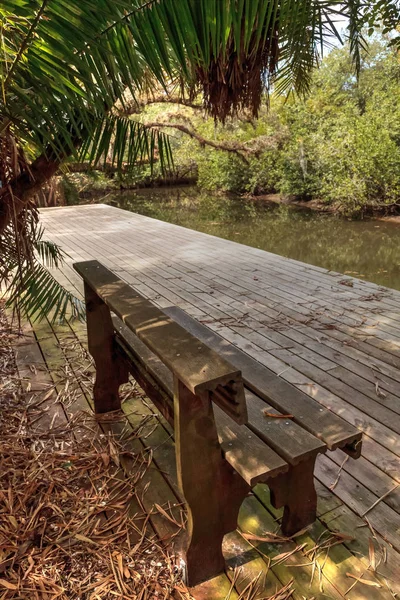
x=239, y=149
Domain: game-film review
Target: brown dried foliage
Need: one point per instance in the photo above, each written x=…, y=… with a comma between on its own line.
x=66, y=530
x=234, y=80
x=16, y=240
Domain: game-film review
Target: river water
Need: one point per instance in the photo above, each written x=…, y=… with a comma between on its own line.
x=367, y=249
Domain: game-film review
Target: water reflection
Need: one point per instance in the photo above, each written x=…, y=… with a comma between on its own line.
x=366, y=249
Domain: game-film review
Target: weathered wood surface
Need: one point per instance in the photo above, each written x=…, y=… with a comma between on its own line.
x=256, y=518
x=196, y=365
x=213, y=503
x=293, y=487
x=305, y=411
x=288, y=439
x=297, y=320
x=243, y=450
x=110, y=373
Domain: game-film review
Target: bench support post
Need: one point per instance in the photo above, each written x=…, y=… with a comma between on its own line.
x=212, y=491
x=295, y=490
x=110, y=372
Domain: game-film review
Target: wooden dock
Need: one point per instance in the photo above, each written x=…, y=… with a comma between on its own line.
x=334, y=337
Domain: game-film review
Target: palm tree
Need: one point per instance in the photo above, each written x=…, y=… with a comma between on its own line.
x=65, y=67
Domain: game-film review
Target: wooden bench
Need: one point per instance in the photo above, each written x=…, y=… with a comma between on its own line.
x=236, y=423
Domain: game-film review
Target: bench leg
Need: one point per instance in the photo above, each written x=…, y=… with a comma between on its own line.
x=295, y=490
x=110, y=372
x=212, y=491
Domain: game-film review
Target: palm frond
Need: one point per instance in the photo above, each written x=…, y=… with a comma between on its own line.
x=49, y=253
x=121, y=141
x=356, y=38
x=64, y=73
x=64, y=64
x=34, y=291
x=30, y=288
x=25, y=256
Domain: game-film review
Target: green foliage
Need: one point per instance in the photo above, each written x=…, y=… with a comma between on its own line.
x=340, y=146
x=388, y=13
x=264, y=175
x=221, y=171
x=65, y=64
x=36, y=293
x=362, y=167
x=31, y=288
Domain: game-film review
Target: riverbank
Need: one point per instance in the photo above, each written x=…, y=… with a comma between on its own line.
x=375, y=212
x=316, y=205
x=79, y=188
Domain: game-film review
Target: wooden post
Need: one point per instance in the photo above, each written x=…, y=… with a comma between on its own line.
x=295, y=490
x=212, y=491
x=110, y=373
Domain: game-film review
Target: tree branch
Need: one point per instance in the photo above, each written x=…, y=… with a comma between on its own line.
x=136, y=106
x=232, y=147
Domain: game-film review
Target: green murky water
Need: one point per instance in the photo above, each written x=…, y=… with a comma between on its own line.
x=367, y=249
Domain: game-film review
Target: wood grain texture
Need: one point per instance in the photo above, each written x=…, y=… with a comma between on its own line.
x=110, y=372
x=244, y=451
x=295, y=492
x=213, y=492
x=194, y=363
x=293, y=443
x=321, y=423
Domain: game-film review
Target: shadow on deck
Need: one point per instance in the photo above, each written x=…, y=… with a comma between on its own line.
x=341, y=556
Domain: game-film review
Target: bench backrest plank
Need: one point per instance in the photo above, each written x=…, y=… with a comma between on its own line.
x=195, y=364
x=245, y=452
x=284, y=397
x=293, y=443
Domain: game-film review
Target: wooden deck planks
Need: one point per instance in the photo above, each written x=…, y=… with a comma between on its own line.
x=338, y=343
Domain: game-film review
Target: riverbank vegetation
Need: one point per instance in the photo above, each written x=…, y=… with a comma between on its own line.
x=339, y=147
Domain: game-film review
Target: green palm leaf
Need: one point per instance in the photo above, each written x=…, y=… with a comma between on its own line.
x=65, y=63
x=129, y=141
x=31, y=289
x=34, y=291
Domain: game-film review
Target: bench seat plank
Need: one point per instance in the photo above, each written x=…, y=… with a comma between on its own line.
x=284, y=397
x=288, y=439
x=195, y=364
x=245, y=452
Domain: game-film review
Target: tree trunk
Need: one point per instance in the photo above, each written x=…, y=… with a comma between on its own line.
x=15, y=195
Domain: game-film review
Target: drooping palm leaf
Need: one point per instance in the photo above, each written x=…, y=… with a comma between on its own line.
x=65, y=65
x=129, y=141
x=48, y=252
x=31, y=288
x=34, y=291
